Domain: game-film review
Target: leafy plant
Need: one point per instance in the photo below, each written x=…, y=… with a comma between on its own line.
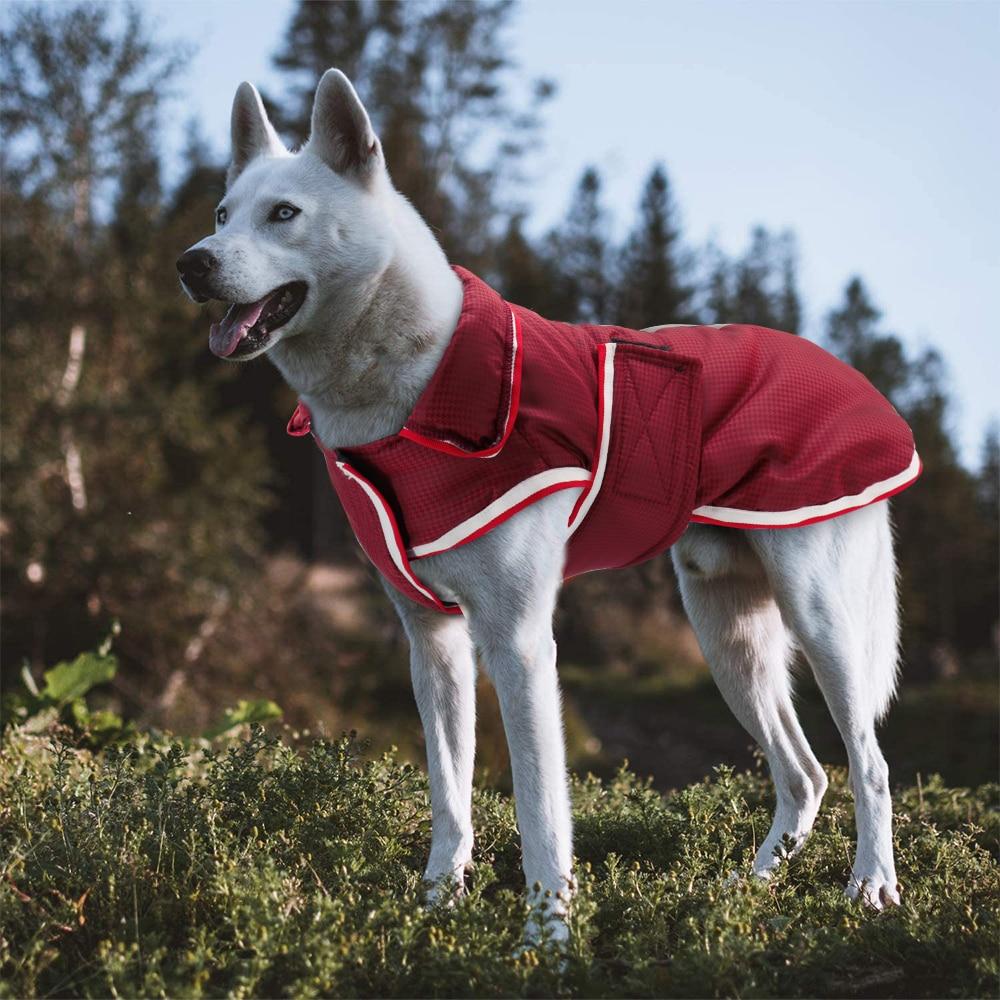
x=62, y=697
x=67, y=682
x=278, y=868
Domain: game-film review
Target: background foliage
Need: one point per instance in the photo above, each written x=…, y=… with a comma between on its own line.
x=143, y=482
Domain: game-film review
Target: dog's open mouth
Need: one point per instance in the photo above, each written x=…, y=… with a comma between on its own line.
x=247, y=327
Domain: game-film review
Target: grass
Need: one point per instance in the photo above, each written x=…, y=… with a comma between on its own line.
x=284, y=867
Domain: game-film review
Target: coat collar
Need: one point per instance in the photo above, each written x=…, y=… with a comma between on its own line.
x=469, y=406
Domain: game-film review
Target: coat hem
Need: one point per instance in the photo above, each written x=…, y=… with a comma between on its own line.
x=729, y=517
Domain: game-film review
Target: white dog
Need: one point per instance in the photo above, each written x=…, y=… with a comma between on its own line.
x=344, y=286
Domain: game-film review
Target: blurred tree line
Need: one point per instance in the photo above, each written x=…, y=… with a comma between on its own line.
x=144, y=481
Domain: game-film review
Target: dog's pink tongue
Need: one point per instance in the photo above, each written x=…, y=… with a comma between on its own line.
x=224, y=336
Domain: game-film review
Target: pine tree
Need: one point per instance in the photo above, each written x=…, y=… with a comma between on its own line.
x=200, y=187
x=321, y=35
x=974, y=555
x=139, y=193
x=852, y=333
x=788, y=301
x=982, y=606
x=938, y=522
x=753, y=297
x=526, y=275
x=759, y=286
x=716, y=296
x=989, y=473
x=582, y=248
x=650, y=288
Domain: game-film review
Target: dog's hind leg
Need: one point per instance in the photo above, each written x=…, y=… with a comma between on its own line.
x=443, y=670
x=732, y=609
x=835, y=583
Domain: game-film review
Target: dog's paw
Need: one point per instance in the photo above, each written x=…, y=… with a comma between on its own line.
x=877, y=890
x=775, y=852
x=544, y=941
x=546, y=926
x=445, y=891
x=735, y=878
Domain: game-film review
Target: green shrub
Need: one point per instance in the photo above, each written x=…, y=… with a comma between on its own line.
x=62, y=698
x=275, y=868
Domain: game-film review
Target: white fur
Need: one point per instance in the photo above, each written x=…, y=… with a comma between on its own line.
x=381, y=307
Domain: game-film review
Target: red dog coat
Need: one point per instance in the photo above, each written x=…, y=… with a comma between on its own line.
x=732, y=425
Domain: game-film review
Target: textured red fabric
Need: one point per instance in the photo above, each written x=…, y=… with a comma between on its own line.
x=739, y=419
x=785, y=423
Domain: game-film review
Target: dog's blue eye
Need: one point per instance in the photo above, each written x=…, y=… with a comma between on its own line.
x=220, y=216
x=283, y=212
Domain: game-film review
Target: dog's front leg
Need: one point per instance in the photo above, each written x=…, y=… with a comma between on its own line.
x=443, y=670
x=506, y=582
x=514, y=634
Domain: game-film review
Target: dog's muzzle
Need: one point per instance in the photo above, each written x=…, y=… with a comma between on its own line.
x=196, y=268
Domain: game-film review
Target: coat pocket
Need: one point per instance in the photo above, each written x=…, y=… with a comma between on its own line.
x=646, y=461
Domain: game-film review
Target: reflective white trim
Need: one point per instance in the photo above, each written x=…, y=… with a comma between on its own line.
x=387, y=532
x=684, y=326
x=513, y=377
x=524, y=490
x=607, y=391
x=788, y=518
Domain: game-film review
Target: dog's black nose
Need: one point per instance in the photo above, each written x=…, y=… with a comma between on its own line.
x=195, y=264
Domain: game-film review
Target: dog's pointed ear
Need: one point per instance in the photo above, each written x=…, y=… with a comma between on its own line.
x=342, y=134
x=253, y=134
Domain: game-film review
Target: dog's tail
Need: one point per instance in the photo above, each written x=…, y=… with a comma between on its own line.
x=883, y=618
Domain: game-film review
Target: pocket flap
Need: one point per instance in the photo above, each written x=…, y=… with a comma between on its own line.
x=646, y=464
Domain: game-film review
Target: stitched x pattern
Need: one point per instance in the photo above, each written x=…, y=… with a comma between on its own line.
x=645, y=404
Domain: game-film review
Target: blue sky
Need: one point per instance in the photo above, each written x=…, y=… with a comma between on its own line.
x=869, y=128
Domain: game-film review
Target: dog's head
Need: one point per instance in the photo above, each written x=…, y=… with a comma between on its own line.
x=294, y=232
